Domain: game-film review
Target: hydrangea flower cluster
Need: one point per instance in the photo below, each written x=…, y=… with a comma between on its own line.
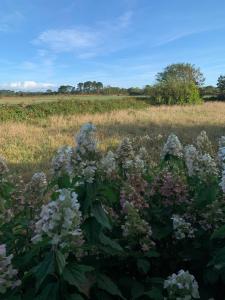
x=172, y=147
x=60, y=221
x=62, y=162
x=181, y=286
x=136, y=229
x=182, y=228
x=203, y=143
x=108, y=164
x=8, y=279
x=221, y=155
x=85, y=140
x=36, y=187
x=214, y=215
x=202, y=165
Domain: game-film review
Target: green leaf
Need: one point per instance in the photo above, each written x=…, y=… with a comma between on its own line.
x=137, y=290
x=100, y=215
x=154, y=294
x=106, y=284
x=152, y=253
x=76, y=275
x=60, y=260
x=219, y=233
x=74, y=297
x=92, y=230
x=45, y=268
x=51, y=291
x=143, y=265
x=111, y=243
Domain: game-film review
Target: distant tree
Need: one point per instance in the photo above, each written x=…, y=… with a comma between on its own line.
x=48, y=91
x=65, y=89
x=135, y=91
x=184, y=72
x=221, y=84
x=80, y=87
x=99, y=86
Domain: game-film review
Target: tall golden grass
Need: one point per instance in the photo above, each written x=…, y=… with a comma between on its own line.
x=30, y=147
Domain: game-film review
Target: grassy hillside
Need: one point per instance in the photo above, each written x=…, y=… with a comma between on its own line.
x=29, y=146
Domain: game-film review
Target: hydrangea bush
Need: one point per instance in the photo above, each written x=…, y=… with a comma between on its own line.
x=115, y=225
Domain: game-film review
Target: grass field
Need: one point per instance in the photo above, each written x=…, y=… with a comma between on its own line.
x=29, y=146
x=26, y=100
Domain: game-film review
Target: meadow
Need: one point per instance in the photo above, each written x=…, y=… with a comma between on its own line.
x=28, y=144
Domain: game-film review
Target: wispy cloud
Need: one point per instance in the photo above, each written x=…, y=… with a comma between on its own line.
x=28, y=85
x=85, y=42
x=9, y=22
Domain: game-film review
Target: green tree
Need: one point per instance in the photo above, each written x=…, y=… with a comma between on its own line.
x=221, y=84
x=65, y=89
x=184, y=72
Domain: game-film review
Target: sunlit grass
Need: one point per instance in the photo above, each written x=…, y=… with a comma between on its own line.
x=30, y=147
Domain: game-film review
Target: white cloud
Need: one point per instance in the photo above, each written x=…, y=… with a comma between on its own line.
x=86, y=42
x=27, y=85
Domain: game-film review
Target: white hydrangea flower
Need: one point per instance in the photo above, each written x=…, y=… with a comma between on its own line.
x=62, y=162
x=108, y=163
x=191, y=157
x=172, y=147
x=182, y=229
x=8, y=274
x=207, y=165
x=85, y=140
x=87, y=171
x=222, y=183
x=203, y=143
x=125, y=150
x=60, y=221
x=182, y=286
x=37, y=184
x=221, y=153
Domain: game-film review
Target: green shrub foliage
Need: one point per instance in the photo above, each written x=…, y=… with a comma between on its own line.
x=116, y=226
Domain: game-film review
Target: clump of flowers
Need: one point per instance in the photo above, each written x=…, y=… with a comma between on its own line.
x=8, y=275
x=59, y=221
x=221, y=153
x=182, y=228
x=198, y=164
x=136, y=229
x=108, y=164
x=203, y=143
x=62, y=162
x=182, y=286
x=171, y=189
x=86, y=155
x=36, y=187
x=172, y=147
x=213, y=216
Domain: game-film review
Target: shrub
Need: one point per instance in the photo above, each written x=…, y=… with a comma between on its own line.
x=175, y=92
x=112, y=226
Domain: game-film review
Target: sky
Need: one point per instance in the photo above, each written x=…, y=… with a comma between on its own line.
x=46, y=43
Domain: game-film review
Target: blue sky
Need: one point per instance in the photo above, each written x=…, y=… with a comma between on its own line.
x=45, y=43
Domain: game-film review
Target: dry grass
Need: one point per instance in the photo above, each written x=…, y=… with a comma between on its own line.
x=29, y=148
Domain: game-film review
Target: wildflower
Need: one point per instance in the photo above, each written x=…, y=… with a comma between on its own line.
x=172, y=147
x=8, y=278
x=182, y=228
x=85, y=140
x=62, y=162
x=136, y=229
x=222, y=183
x=203, y=143
x=108, y=163
x=221, y=153
x=125, y=151
x=37, y=185
x=59, y=221
x=207, y=166
x=181, y=286
x=191, y=157
x=87, y=170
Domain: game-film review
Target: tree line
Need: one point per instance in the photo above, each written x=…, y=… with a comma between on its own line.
x=177, y=83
